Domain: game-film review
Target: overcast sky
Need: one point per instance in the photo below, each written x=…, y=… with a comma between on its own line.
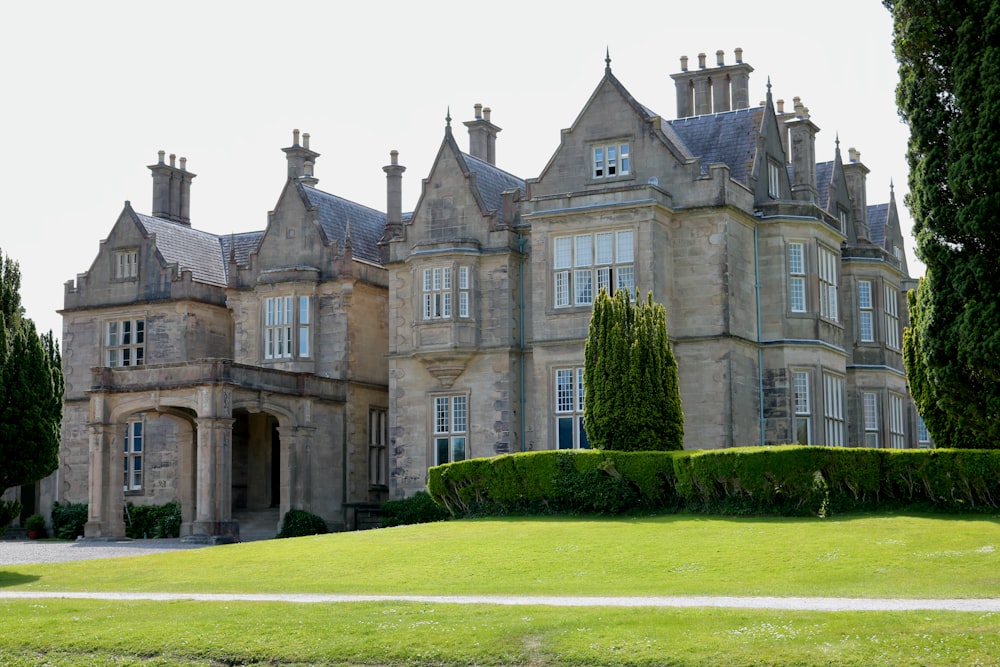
x=92, y=90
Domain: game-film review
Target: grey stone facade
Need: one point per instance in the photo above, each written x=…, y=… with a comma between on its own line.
x=326, y=362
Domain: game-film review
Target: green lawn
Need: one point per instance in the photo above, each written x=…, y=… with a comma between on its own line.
x=862, y=556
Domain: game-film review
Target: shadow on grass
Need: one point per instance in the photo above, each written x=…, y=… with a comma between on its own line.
x=667, y=518
x=16, y=579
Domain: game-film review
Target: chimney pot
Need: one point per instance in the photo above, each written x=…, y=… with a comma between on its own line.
x=486, y=113
x=854, y=154
x=307, y=169
x=161, y=155
x=184, y=162
x=720, y=57
x=701, y=61
x=781, y=106
x=394, y=157
x=739, y=55
x=684, y=63
x=172, y=159
x=478, y=111
x=305, y=140
x=295, y=137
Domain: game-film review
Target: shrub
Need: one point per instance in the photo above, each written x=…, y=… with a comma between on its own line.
x=9, y=510
x=299, y=523
x=418, y=508
x=35, y=523
x=153, y=521
x=68, y=520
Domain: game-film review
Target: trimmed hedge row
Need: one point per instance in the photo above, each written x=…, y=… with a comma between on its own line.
x=785, y=480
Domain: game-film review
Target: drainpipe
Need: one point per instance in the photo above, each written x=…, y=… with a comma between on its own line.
x=521, y=243
x=760, y=350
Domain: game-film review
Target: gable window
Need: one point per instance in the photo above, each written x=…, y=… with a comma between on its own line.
x=378, y=431
x=451, y=414
x=897, y=438
x=833, y=410
x=570, y=433
x=287, y=322
x=796, y=277
x=828, y=284
x=866, y=327
x=439, y=292
x=126, y=264
x=869, y=408
x=611, y=160
x=133, y=456
x=586, y=263
x=773, y=179
x=800, y=397
x=891, y=318
x=125, y=343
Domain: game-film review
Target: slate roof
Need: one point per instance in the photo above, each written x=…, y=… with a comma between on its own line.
x=242, y=245
x=190, y=249
x=824, y=176
x=729, y=137
x=878, y=217
x=492, y=181
x=335, y=213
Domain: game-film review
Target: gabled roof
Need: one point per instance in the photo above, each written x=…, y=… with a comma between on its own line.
x=190, y=249
x=240, y=246
x=878, y=217
x=729, y=137
x=337, y=213
x=492, y=181
x=824, y=179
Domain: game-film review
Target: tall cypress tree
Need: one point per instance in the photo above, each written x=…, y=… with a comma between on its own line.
x=31, y=390
x=949, y=94
x=632, y=399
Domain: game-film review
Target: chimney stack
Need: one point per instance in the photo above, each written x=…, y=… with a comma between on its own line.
x=802, y=147
x=482, y=135
x=393, y=203
x=172, y=189
x=720, y=89
x=298, y=157
x=856, y=174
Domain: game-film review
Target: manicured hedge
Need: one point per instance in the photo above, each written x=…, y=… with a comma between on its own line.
x=786, y=480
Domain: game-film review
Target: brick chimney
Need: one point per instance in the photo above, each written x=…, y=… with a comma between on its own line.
x=172, y=189
x=301, y=159
x=712, y=90
x=482, y=135
x=802, y=149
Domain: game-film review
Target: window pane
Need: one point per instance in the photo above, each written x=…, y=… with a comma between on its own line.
x=458, y=449
x=864, y=294
x=303, y=341
x=795, y=261
x=303, y=310
x=564, y=390
x=441, y=451
x=563, y=253
x=562, y=288
x=625, y=249
x=564, y=432
x=463, y=304
x=459, y=415
x=584, y=250
x=626, y=278
x=604, y=244
x=797, y=294
x=463, y=277
x=441, y=417
x=583, y=282
x=584, y=442
x=623, y=159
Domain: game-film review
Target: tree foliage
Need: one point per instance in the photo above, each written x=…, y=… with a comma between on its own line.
x=949, y=94
x=632, y=400
x=31, y=389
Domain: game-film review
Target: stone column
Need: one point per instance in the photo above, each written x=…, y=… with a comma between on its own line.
x=106, y=497
x=213, y=515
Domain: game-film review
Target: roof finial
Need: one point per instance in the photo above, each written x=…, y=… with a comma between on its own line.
x=892, y=188
x=836, y=140
x=607, y=60
x=768, y=84
x=232, y=247
x=347, y=234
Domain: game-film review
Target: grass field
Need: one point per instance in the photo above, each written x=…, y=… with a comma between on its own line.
x=862, y=556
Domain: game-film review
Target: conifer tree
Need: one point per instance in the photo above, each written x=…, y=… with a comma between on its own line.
x=31, y=391
x=949, y=95
x=632, y=399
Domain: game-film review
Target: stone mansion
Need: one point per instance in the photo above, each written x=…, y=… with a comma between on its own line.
x=325, y=362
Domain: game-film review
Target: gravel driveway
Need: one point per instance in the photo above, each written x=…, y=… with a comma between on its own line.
x=24, y=552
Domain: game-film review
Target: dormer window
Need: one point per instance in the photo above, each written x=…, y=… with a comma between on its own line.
x=126, y=264
x=773, y=179
x=611, y=160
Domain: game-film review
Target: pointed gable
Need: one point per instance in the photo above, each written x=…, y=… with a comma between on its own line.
x=338, y=216
x=189, y=249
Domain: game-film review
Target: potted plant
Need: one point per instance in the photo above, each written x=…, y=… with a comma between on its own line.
x=35, y=526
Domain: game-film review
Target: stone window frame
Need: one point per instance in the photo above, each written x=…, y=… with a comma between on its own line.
x=125, y=264
x=866, y=311
x=773, y=179
x=133, y=451
x=568, y=398
x=869, y=418
x=286, y=327
x=834, y=415
x=829, y=295
x=611, y=159
x=378, y=447
x=450, y=427
x=890, y=309
x=796, y=256
x=897, y=428
x=442, y=286
x=801, y=396
x=125, y=342
x=582, y=264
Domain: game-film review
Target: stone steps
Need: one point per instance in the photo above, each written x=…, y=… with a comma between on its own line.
x=258, y=525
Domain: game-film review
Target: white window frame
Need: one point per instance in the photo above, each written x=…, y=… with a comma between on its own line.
x=439, y=291
x=132, y=456
x=923, y=435
x=869, y=412
x=773, y=179
x=378, y=436
x=828, y=298
x=126, y=264
x=583, y=264
x=797, y=277
x=610, y=160
x=286, y=326
x=833, y=410
x=802, y=407
x=897, y=430
x=125, y=342
x=866, y=313
x=891, y=309
x=568, y=401
x=451, y=428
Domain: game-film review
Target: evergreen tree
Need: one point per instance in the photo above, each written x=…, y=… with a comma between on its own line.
x=949, y=94
x=632, y=399
x=31, y=390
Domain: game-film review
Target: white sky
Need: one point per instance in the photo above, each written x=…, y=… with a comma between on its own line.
x=92, y=90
